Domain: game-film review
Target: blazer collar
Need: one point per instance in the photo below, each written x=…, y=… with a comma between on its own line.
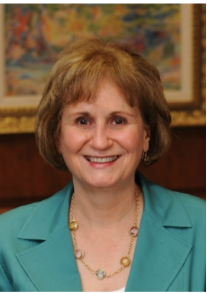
x=158, y=257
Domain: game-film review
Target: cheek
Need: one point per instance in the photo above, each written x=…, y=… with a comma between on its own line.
x=71, y=141
x=132, y=140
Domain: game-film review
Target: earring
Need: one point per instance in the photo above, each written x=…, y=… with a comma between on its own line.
x=146, y=158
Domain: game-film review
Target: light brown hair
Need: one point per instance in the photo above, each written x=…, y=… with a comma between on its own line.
x=77, y=75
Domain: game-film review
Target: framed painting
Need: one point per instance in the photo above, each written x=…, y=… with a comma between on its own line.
x=32, y=35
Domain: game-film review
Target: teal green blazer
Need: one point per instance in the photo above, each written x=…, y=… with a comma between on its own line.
x=36, y=251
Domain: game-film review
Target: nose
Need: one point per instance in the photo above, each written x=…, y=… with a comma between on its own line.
x=101, y=139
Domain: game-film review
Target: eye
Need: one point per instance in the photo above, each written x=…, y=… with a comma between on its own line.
x=83, y=121
x=119, y=121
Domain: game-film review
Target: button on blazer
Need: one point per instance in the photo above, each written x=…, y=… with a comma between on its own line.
x=36, y=250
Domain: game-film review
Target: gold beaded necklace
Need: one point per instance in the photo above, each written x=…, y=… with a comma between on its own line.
x=125, y=261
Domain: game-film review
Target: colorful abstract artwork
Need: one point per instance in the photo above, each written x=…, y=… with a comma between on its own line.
x=36, y=33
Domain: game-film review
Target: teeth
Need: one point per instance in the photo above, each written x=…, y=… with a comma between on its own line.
x=102, y=160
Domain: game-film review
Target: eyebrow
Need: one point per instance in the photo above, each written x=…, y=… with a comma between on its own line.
x=81, y=113
x=111, y=114
x=121, y=113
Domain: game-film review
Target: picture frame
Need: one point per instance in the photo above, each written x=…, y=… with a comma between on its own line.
x=187, y=103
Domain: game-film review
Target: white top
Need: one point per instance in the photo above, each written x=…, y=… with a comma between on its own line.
x=120, y=290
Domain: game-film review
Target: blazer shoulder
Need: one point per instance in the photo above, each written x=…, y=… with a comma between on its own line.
x=16, y=217
x=172, y=208
x=194, y=206
x=13, y=220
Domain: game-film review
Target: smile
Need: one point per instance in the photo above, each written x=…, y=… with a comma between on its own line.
x=101, y=160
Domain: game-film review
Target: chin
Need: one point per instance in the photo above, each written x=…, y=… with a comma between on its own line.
x=102, y=182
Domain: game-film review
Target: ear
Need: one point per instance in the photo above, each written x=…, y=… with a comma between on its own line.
x=146, y=139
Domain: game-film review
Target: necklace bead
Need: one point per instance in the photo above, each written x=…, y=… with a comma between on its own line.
x=73, y=225
x=100, y=274
x=125, y=261
x=134, y=231
x=79, y=254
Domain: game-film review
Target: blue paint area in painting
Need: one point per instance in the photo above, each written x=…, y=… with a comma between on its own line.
x=24, y=76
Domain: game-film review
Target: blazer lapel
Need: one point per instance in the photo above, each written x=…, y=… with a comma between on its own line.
x=158, y=257
x=159, y=253
x=50, y=263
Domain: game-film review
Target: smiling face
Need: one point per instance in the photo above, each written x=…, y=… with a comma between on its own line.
x=102, y=141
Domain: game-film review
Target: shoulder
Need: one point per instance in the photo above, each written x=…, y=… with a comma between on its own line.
x=12, y=221
x=171, y=206
x=166, y=195
x=15, y=218
x=194, y=206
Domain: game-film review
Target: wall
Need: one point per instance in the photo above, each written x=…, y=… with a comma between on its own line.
x=25, y=177
x=183, y=168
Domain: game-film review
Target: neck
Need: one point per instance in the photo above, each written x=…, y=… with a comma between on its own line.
x=103, y=207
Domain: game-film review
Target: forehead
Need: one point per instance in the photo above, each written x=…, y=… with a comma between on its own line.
x=110, y=95
x=106, y=93
x=109, y=100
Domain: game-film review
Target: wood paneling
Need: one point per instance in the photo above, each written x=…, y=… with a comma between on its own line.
x=183, y=168
x=25, y=177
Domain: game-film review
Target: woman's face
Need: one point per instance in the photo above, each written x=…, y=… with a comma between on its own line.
x=102, y=141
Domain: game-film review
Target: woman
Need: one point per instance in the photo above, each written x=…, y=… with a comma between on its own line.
x=102, y=113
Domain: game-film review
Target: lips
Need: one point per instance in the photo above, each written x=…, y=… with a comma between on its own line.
x=101, y=160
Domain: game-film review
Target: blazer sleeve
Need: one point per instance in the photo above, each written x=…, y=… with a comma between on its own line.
x=4, y=282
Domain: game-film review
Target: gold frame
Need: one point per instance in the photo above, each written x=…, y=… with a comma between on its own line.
x=21, y=119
